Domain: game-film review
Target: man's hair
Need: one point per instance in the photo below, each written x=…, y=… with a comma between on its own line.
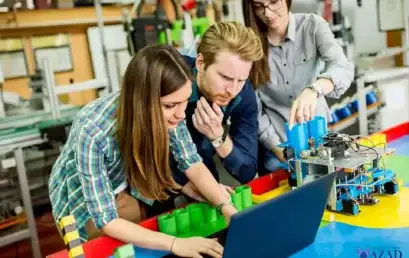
x=154, y=72
x=233, y=37
x=261, y=73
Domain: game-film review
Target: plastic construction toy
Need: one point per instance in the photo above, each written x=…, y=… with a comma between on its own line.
x=201, y=219
x=71, y=237
x=270, y=186
x=313, y=151
x=125, y=251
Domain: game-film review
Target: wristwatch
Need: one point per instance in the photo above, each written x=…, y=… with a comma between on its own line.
x=220, y=140
x=317, y=89
x=221, y=205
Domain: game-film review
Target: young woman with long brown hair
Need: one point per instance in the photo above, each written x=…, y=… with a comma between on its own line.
x=291, y=84
x=116, y=162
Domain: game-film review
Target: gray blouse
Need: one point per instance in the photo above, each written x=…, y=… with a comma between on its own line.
x=309, y=52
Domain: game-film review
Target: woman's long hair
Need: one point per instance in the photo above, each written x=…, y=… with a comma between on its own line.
x=260, y=74
x=154, y=72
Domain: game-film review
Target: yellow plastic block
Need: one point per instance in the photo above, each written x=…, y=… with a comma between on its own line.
x=271, y=194
x=400, y=183
x=67, y=220
x=376, y=140
x=70, y=236
x=328, y=217
x=283, y=182
x=391, y=212
x=75, y=252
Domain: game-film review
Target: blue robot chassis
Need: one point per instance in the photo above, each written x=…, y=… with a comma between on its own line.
x=311, y=152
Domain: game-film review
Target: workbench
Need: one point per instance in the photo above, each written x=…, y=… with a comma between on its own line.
x=383, y=230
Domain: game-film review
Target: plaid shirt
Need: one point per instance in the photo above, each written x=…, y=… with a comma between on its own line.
x=89, y=172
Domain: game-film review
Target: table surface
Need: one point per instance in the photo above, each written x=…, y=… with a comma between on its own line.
x=373, y=236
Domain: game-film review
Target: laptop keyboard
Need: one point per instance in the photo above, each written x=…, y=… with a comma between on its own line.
x=221, y=238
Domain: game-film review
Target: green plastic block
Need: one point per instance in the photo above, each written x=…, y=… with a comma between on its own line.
x=196, y=219
x=199, y=25
x=182, y=218
x=201, y=219
x=246, y=196
x=125, y=251
x=196, y=215
x=167, y=224
x=237, y=201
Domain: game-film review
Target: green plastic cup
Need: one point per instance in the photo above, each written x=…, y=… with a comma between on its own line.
x=237, y=201
x=167, y=224
x=210, y=213
x=182, y=220
x=196, y=214
x=246, y=196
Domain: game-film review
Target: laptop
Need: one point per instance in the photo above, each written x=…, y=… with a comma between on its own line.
x=279, y=227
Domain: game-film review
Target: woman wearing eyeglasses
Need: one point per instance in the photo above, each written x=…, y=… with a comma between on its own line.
x=291, y=84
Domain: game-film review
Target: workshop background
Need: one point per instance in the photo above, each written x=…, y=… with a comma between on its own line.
x=58, y=55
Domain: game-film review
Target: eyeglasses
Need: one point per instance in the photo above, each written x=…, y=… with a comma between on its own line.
x=273, y=5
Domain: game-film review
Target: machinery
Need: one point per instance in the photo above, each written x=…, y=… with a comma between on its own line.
x=311, y=152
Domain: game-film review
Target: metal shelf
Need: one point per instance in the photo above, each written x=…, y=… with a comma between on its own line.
x=345, y=123
x=31, y=232
x=14, y=237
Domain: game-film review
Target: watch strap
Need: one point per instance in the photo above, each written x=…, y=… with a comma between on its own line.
x=221, y=205
x=319, y=90
x=219, y=141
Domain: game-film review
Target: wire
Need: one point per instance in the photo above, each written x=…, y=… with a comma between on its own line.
x=339, y=141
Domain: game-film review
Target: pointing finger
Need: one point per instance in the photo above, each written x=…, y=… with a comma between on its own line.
x=292, y=114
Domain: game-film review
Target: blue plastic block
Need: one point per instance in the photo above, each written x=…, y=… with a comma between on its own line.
x=353, y=192
x=343, y=112
x=355, y=209
x=335, y=118
x=317, y=128
x=354, y=106
x=339, y=206
x=371, y=98
x=304, y=169
x=382, y=172
x=297, y=137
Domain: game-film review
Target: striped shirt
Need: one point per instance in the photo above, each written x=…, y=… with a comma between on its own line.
x=89, y=171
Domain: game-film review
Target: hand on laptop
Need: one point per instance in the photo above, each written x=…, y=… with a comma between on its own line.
x=195, y=246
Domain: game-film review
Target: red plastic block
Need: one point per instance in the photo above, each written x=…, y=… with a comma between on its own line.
x=105, y=246
x=396, y=132
x=189, y=5
x=99, y=247
x=151, y=223
x=268, y=182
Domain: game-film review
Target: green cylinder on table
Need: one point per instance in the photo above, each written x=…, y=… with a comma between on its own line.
x=182, y=220
x=237, y=201
x=196, y=214
x=210, y=212
x=167, y=224
x=246, y=196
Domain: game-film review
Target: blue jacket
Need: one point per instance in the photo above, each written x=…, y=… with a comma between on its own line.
x=241, y=163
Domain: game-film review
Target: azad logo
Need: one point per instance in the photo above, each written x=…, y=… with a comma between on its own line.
x=379, y=253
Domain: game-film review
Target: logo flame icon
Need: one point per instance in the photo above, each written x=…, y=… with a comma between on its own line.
x=363, y=253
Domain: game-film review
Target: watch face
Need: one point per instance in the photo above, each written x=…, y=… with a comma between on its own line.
x=217, y=142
